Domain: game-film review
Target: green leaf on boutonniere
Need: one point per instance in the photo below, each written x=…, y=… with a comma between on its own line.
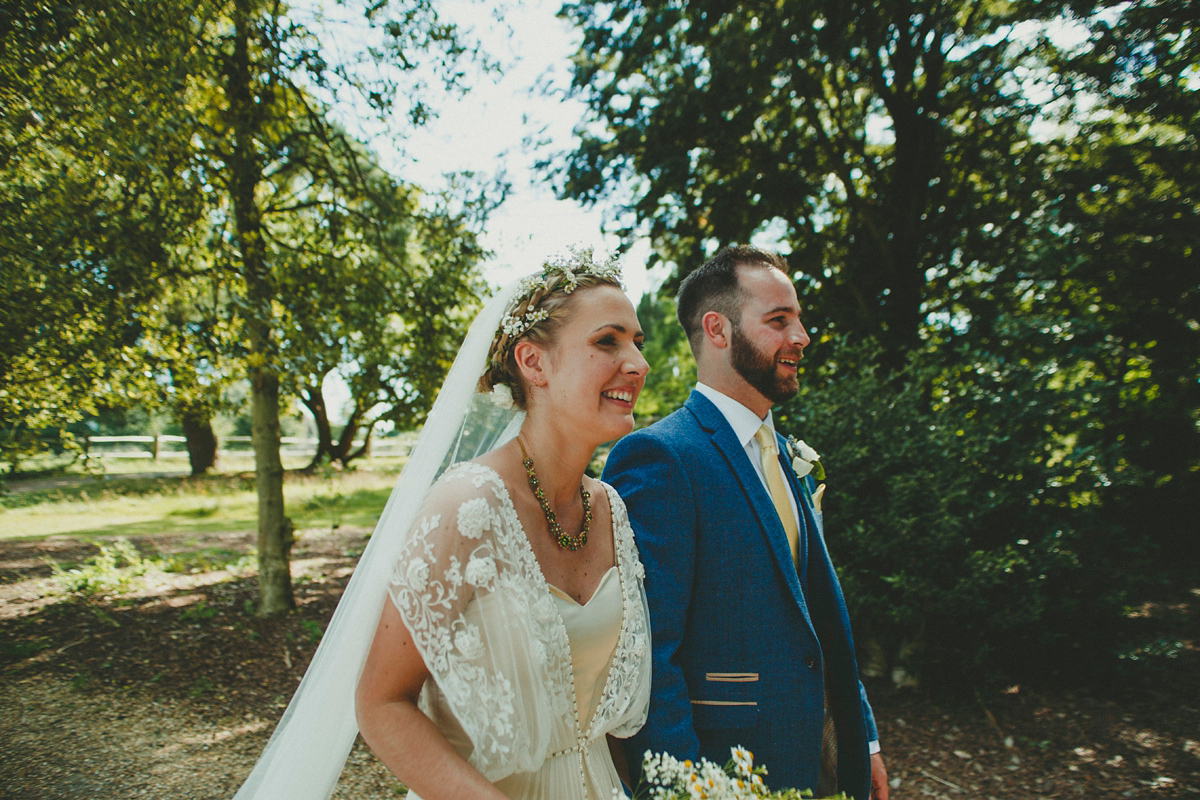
x=805, y=460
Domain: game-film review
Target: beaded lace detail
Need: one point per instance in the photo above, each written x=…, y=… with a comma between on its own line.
x=470, y=590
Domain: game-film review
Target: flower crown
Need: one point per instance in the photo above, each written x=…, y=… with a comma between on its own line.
x=580, y=261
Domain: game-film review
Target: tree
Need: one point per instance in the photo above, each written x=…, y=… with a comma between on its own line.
x=246, y=99
x=91, y=210
x=278, y=154
x=1130, y=187
x=870, y=139
x=379, y=291
x=1011, y=219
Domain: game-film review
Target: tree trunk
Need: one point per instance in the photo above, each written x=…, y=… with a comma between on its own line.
x=274, y=528
x=201, y=440
x=341, y=451
x=314, y=401
x=366, y=445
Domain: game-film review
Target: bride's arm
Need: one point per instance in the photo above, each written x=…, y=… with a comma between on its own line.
x=404, y=739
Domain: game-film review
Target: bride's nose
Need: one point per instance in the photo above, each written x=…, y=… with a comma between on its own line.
x=636, y=364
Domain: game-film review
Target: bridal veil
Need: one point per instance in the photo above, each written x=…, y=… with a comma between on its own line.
x=306, y=753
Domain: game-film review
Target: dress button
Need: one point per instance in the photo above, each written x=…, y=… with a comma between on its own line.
x=810, y=662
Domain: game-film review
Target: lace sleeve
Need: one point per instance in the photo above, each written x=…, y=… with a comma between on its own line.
x=463, y=586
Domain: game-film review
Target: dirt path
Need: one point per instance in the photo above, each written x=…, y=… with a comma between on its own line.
x=171, y=688
x=61, y=743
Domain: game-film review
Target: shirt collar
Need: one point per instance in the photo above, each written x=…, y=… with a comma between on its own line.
x=745, y=423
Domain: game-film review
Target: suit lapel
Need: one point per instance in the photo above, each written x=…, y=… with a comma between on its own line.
x=808, y=517
x=713, y=421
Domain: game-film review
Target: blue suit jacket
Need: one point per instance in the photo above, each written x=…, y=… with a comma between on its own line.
x=743, y=640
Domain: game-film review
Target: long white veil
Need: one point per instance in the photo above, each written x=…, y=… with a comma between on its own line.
x=306, y=753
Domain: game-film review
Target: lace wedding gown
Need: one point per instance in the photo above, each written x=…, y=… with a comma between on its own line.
x=525, y=682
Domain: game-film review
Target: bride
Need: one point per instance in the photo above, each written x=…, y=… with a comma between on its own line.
x=514, y=640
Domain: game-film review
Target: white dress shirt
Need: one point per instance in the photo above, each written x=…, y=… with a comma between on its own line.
x=745, y=424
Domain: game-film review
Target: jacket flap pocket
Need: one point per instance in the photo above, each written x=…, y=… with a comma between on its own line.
x=716, y=714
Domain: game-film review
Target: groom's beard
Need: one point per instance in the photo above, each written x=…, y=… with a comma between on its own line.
x=759, y=369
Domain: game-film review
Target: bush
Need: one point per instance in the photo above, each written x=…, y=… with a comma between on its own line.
x=113, y=571
x=969, y=520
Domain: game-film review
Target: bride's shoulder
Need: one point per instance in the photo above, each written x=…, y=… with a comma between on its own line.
x=465, y=482
x=616, y=505
x=466, y=502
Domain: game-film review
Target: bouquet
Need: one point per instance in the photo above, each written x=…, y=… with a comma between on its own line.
x=665, y=777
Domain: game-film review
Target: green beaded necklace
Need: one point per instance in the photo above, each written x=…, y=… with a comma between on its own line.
x=563, y=538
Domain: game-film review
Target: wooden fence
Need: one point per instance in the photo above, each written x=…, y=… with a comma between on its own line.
x=164, y=446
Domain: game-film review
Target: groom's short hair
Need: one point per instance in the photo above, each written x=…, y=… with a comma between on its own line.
x=714, y=287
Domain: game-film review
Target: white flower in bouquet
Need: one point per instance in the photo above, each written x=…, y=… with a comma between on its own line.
x=665, y=777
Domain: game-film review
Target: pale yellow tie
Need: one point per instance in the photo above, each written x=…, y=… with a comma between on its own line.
x=777, y=486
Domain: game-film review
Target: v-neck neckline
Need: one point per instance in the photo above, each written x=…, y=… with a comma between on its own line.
x=562, y=625
x=563, y=594
x=612, y=532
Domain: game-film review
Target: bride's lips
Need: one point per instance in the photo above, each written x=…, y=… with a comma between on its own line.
x=624, y=395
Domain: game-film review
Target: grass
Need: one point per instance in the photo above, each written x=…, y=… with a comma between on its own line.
x=136, y=505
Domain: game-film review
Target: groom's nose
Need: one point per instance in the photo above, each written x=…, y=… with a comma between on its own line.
x=798, y=335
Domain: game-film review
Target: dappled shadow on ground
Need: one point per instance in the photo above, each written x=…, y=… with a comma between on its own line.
x=170, y=687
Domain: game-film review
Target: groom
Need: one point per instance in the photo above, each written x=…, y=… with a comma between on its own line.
x=751, y=637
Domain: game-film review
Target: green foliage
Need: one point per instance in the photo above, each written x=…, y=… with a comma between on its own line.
x=24, y=648
x=1014, y=222
x=114, y=571
x=200, y=612
x=672, y=368
x=210, y=559
x=181, y=207
x=80, y=680
x=90, y=207
x=970, y=521
x=874, y=141
x=313, y=629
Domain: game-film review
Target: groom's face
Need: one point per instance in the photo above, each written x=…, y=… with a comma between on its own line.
x=768, y=341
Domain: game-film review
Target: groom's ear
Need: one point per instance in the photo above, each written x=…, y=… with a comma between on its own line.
x=716, y=328
x=531, y=362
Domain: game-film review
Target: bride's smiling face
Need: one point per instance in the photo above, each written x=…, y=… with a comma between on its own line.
x=594, y=370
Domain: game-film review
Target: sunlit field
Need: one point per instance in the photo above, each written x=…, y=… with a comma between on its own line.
x=139, y=504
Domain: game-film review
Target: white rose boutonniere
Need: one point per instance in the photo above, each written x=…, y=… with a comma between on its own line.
x=805, y=459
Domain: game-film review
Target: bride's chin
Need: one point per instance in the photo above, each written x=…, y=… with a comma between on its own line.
x=620, y=430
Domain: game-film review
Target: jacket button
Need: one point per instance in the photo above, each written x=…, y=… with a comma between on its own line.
x=810, y=662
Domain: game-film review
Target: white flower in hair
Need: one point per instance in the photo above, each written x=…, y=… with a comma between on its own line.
x=502, y=396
